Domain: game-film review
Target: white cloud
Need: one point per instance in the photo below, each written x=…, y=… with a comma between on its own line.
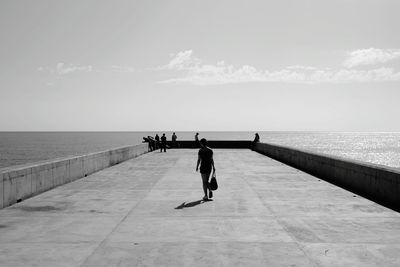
x=194, y=72
x=370, y=56
x=300, y=67
x=122, y=69
x=182, y=61
x=62, y=68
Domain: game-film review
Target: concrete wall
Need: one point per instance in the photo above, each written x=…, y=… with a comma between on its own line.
x=376, y=182
x=236, y=144
x=20, y=182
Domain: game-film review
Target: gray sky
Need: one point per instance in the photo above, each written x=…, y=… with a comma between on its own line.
x=199, y=65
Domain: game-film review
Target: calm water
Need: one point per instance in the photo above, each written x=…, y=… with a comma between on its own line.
x=25, y=147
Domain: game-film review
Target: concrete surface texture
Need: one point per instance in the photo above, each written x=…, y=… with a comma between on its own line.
x=378, y=183
x=147, y=212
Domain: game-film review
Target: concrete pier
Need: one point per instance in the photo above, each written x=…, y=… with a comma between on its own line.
x=147, y=212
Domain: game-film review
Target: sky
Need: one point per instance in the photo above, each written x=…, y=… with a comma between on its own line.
x=95, y=65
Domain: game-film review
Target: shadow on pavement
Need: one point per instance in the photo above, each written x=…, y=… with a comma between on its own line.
x=191, y=204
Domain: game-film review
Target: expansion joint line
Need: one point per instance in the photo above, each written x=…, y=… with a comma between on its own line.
x=277, y=219
x=112, y=231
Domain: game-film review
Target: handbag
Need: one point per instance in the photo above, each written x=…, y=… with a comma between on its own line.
x=213, y=185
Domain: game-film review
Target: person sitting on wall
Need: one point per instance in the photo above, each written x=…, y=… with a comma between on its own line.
x=255, y=141
x=163, y=143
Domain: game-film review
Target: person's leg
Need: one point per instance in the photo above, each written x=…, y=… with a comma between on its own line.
x=204, y=177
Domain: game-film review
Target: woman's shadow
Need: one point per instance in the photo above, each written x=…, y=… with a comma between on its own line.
x=191, y=204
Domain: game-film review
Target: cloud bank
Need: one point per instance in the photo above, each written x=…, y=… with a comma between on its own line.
x=184, y=67
x=63, y=69
x=370, y=56
x=194, y=71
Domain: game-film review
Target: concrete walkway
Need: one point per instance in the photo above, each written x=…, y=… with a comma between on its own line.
x=146, y=212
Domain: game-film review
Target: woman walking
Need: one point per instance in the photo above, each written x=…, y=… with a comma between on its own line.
x=206, y=162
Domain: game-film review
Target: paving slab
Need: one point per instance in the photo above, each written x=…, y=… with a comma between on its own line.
x=45, y=254
x=148, y=211
x=199, y=254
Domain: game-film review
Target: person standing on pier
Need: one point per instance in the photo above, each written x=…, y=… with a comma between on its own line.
x=163, y=143
x=206, y=162
x=196, y=140
x=157, y=138
x=174, y=137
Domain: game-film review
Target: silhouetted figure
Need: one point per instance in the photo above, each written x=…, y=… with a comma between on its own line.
x=157, y=138
x=255, y=141
x=196, y=140
x=174, y=137
x=151, y=142
x=163, y=143
x=206, y=162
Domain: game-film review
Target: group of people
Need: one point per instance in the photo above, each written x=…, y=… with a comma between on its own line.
x=160, y=143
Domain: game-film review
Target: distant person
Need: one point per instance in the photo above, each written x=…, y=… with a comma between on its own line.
x=196, y=140
x=152, y=145
x=173, y=138
x=157, y=138
x=255, y=141
x=163, y=143
x=206, y=162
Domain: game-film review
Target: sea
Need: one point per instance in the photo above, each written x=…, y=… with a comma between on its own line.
x=28, y=147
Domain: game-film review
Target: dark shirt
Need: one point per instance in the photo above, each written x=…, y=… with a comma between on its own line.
x=163, y=139
x=206, y=156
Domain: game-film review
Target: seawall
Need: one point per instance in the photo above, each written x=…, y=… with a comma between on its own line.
x=233, y=144
x=21, y=182
x=378, y=183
